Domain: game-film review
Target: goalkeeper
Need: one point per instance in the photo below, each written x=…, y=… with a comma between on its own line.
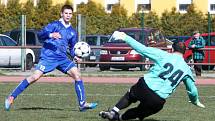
x=157, y=85
x=58, y=35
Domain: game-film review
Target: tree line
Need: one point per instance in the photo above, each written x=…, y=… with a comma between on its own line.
x=171, y=23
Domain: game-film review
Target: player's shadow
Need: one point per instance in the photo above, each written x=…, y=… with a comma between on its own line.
x=145, y=120
x=40, y=108
x=158, y=120
x=152, y=120
x=46, y=108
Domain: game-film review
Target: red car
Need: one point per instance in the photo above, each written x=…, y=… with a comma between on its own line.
x=152, y=37
x=209, y=54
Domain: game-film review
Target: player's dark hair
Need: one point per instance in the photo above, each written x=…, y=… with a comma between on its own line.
x=179, y=47
x=66, y=7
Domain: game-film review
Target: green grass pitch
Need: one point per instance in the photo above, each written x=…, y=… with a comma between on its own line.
x=57, y=102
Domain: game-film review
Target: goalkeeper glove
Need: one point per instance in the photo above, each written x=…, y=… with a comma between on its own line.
x=119, y=35
x=199, y=104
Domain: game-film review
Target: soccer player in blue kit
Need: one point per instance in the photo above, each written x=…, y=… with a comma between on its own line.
x=58, y=36
x=157, y=85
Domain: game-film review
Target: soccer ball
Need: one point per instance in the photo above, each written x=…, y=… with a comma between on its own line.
x=82, y=49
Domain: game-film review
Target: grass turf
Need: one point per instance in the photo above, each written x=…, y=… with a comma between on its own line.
x=57, y=102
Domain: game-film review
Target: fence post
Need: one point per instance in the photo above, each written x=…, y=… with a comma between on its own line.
x=81, y=29
x=23, y=50
x=209, y=36
x=143, y=37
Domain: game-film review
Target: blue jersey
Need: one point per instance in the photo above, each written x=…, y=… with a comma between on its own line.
x=56, y=49
x=168, y=71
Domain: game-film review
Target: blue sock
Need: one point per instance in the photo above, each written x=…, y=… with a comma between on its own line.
x=79, y=88
x=20, y=88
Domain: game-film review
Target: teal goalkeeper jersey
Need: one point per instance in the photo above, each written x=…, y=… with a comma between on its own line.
x=168, y=71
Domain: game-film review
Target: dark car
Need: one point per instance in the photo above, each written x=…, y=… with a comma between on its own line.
x=31, y=40
x=178, y=38
x=95, y=40
x=152, y=37
x=209, y=54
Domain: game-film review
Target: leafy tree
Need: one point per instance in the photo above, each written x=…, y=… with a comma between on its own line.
x=134, y=20
x=118, y=18
x=95, y=15
x=43, y=13
x=170, y=22
x=3, y=19
x=13, y=11
x=68, y=2
x=193, y=20
x=151, y=19
x=100, y=22
x=213, y=23
x=29, y=10
x=55, y=12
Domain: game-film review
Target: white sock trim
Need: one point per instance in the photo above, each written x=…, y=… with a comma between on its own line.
x=116, y=109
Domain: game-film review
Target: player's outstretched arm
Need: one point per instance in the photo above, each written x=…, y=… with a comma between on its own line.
x=192, y=92
x=150, y=52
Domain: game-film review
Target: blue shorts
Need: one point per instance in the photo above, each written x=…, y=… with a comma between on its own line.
x=46, y=66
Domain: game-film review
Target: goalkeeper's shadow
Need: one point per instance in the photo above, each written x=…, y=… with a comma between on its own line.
x=158, y=120
x=151, y=120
